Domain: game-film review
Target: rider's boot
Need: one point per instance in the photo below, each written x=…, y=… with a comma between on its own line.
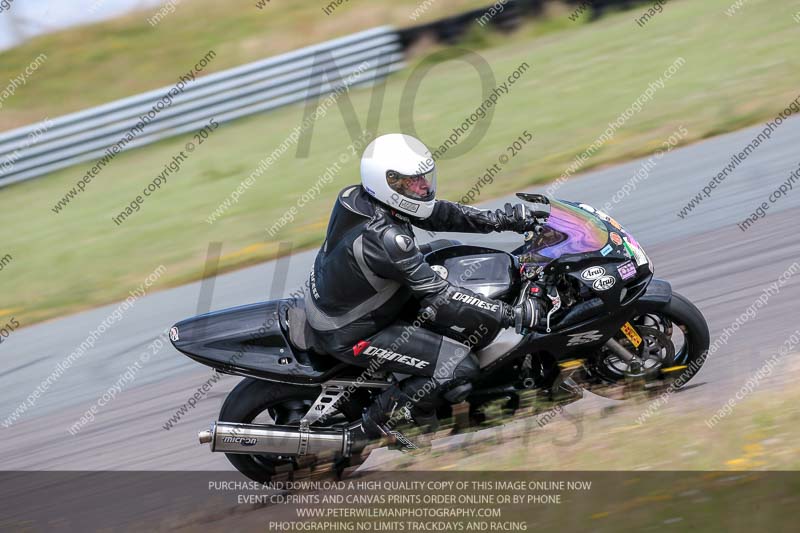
x=415, y=401
x=401, y=405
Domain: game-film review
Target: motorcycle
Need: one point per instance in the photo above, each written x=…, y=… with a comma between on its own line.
x=610, y=323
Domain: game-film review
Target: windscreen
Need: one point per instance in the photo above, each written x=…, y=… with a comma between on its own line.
x=569, y=230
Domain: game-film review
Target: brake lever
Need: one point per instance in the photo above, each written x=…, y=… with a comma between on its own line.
x=555, y=300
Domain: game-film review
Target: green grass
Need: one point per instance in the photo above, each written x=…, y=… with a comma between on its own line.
x=738, y=71
x=91, y=65
x=760, y=433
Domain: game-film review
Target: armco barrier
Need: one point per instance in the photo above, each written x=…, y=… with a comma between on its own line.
x=245, y=90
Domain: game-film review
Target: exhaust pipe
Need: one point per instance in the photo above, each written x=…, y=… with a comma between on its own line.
x=255, y=439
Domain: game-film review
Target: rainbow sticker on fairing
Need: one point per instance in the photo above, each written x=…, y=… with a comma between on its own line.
x=638, y=254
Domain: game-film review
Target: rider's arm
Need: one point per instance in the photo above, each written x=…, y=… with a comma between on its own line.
x=391, y=253
x=449, y=216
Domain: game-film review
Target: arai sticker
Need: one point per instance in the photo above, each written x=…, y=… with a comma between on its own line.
x=604, y=283
x=593, y=273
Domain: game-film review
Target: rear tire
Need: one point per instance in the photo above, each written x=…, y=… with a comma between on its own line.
x=249, y=399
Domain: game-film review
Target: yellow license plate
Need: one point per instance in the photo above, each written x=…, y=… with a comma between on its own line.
x=630, y=332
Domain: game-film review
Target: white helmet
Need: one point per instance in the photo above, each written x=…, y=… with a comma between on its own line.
x=399, y=171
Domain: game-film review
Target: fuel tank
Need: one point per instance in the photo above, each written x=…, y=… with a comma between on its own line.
x=486, y=271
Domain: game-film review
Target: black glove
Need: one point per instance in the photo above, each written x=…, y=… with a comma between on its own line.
x=517, y=218
x=528, y=314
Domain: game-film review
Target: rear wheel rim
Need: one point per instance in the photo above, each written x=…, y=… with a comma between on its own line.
x=282, y=411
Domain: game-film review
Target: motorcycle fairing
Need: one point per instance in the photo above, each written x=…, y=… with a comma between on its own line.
x=569, y=340
x=251, y=340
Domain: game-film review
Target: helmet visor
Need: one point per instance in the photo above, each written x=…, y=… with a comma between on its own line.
x=415, y=186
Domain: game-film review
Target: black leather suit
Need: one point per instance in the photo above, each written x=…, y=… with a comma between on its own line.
x=365, y=272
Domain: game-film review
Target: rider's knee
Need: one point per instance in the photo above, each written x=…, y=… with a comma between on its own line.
x=459, y=384
x=455, y=363
x=468, y=369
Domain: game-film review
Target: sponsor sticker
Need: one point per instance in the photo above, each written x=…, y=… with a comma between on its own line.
x=616, y=239
x=631, y=333
x=593, y=273
x=173, y=334
x=638, y=254
x=628, y=250
x=604, y=283
x=607, y=249
x=609, y=219
x=584, y=338
x=587, y=207
x=627, y=270
x=411, y=206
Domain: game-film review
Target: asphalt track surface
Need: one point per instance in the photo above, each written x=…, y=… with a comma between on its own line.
x=705, y=256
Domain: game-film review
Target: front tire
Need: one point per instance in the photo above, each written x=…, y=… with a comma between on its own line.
x=694, y=352
x=685, y=326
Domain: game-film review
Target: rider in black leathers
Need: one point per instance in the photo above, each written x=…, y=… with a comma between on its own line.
x=370, y=265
